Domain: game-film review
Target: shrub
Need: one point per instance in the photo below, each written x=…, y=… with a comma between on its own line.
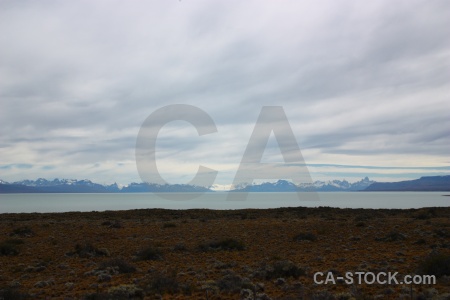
x=10, y=247
x=180, y=247
x=233, y=283
x=228, y=244
x=12, y=293
x=343, y=296
x=169, y=225
x=149, y=253
x=121, y=265
x=360, y=224
x=158, y=282
x=442, y=233
x=281, y=268
x=437, y=264
x=113, y=224
x=126, y=291
x=88, y=250
x=323, y=295
x=305, y=236
x=420, y=242
x=99, y=296
x=422, y=216
x=392, y=237
x=22, y=232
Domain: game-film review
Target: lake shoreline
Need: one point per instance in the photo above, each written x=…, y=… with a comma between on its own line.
x=222, y=212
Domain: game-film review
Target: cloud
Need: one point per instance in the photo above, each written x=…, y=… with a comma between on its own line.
x=17, y=166
x=361, y=83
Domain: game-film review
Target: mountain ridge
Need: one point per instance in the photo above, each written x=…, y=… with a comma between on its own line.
x=317, y=186
x=41, y=185
x=423, y=184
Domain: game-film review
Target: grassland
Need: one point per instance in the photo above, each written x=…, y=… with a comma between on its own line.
x=210, y=254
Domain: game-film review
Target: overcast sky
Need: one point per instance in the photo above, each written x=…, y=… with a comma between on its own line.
x=364, y=84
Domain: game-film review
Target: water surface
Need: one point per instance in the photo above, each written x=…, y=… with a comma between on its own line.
x=16, y=203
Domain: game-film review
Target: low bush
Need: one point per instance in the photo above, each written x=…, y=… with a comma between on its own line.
x=442, y=233
x=393, y=236
x=360, y=224
x=169, y=225
x=180, y=247
x=164, y=283
x=437, y=264
x=12, y=293
x=22, y=232
x=86, y=249
x=10, y=247
x=126, y=291
x=121, y=265
x=420, y=242
x=100, y=296
x=228, y=244
x=113, y=224
x=281, y=268
x=305, y=236
x=149, y=253
x=233, y=283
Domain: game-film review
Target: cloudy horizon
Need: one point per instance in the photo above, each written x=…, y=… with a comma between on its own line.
x=365, y=86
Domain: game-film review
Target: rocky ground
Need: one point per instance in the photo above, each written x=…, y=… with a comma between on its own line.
x=206, y=254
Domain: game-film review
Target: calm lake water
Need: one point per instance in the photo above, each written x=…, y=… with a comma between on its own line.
x=16, y=203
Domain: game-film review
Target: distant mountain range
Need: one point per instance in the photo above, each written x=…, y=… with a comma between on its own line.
x=432, y=183
x=423, y=184
x=86, y=186
x=317, y=186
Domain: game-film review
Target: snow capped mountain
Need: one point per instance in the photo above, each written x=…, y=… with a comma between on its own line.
x=319, y=186
x=41, y=185
x=41, y=182
x=279, y=186
x=162, y=188
x=56, y=185
x=221, y=187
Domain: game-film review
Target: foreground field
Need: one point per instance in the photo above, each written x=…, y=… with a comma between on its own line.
x=206, y=254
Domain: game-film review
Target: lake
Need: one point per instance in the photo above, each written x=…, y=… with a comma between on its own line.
x=17, y=203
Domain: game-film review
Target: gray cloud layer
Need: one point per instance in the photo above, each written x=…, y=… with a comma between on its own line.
x=361, y=83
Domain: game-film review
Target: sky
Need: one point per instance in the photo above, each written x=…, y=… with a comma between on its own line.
x=364, y=86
